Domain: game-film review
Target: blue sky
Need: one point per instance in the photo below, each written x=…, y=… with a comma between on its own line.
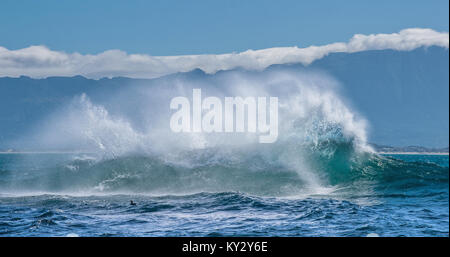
x=199, y=27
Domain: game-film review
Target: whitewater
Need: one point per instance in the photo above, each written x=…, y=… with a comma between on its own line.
x=320, y=178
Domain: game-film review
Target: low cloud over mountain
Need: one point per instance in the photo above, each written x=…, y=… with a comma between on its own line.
x=41, y=62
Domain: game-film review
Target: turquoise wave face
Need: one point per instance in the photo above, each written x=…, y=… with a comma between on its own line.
x=332, y=168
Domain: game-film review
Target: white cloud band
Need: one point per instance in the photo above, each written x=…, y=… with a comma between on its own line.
x=39, y=61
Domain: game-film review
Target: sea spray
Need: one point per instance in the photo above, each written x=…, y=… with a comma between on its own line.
x=315, y=129
x=229, y=119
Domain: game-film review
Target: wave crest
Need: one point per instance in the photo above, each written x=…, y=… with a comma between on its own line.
x=321, y=146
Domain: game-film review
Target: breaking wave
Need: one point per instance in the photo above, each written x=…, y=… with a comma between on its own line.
x=321, y=148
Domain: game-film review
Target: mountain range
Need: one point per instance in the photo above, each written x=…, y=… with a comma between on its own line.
x=404, y=95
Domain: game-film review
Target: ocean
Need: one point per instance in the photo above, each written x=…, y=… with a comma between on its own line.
x=318, y=177
x=368, y=194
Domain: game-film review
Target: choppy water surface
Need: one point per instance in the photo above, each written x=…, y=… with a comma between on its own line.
x=67, y=195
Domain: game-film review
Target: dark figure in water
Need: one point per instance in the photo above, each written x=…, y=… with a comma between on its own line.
x=132, y=203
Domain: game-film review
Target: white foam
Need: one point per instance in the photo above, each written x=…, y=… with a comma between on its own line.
x=310, y=112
